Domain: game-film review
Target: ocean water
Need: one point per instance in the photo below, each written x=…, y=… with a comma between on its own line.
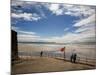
x=53, y=50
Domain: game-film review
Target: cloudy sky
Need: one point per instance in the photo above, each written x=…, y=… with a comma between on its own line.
x=51, y=22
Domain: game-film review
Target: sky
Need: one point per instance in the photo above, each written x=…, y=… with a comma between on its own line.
x=53, y=22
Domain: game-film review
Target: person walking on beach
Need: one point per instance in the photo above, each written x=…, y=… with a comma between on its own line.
x=41, y=53
x=74, y=57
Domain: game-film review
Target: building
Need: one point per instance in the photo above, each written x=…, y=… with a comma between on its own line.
x=14, y=46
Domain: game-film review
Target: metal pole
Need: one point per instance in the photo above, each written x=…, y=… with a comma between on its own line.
x=64, y=55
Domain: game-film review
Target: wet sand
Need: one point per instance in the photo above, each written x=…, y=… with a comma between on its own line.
x=46, y=64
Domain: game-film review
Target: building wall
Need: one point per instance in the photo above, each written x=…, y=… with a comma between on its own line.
x=14, y=46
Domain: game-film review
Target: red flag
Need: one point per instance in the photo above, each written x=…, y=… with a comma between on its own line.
x=62, y=49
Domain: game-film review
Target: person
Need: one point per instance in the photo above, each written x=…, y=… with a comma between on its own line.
x=71, y=58
x=41, y=53
x=74, y=57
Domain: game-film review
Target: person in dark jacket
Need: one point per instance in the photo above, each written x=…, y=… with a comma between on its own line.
x=41, y=53
x=74, y=57
x=71, y=58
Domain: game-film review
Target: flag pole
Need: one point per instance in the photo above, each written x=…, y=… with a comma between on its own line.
x=64, y=53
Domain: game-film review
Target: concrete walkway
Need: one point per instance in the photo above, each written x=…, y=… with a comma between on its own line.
x=45, y=64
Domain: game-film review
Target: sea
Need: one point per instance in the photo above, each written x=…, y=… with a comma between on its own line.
x=84, y=51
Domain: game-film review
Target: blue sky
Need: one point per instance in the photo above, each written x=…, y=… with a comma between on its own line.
x=51, y=22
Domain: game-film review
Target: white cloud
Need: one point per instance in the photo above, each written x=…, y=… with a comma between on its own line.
x=26, y=32
x=60, y=9
x=54, y=7
x=85, y=26
x=66, y=29
x=86, y=36
x=19, y=31
x=62, y=39
x=85, y=32
x=26, y=16
x=79, y=10
x=86, y=21
x=72, y=10
x=86, y=29
x=27, y=38
x=16, y=3
x=71, y=38
x=20, y=5
x=14, y=28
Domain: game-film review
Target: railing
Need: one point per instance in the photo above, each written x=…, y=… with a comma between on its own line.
x=82, y=60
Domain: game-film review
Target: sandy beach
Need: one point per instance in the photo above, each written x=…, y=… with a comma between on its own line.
x=46, y=64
